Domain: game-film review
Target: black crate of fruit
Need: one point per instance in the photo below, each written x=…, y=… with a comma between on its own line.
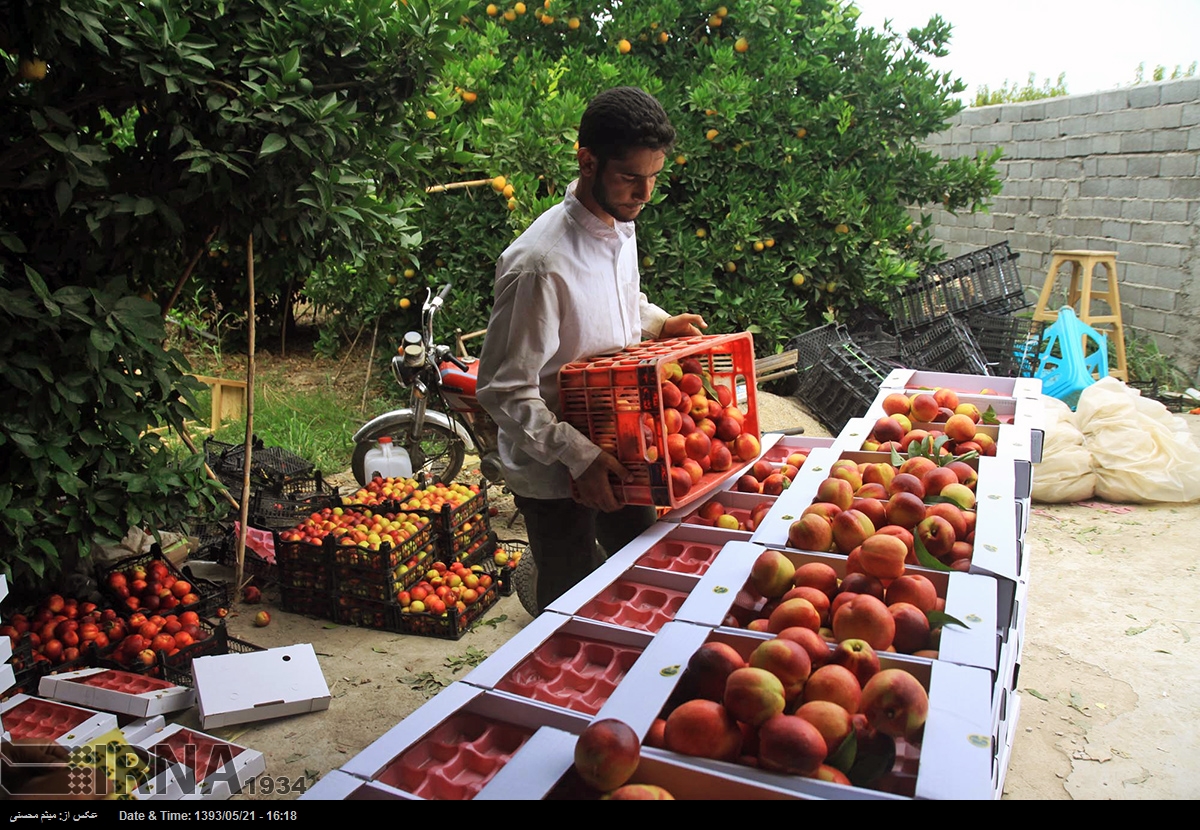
x=984, y=278
x=370, y=581
x=380, y=614
x=212, y=596
x=477, y=550
x=502, y=572
x=214, y=539
x=303, y=564
x=255, y=569
x=308, y=602
x=453, y=624
x=945, y=345
x=270, y=467
x=286, y=507
x=1011, y=345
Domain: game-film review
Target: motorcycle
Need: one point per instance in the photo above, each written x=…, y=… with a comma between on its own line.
x=443, y=420
x=441, y=424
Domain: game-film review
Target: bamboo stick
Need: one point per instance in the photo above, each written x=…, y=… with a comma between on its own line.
x=370, y=360
x=442, y=188
x=245, y=511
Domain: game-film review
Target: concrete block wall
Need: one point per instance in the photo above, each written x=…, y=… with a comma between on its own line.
x=1117, y=171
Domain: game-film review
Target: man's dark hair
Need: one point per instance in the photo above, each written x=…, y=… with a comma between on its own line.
x=620, y=119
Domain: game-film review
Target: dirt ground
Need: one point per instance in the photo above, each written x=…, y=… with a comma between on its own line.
x=1109, y=680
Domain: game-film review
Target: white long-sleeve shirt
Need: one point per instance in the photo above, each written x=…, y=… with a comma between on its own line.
x=567, y=289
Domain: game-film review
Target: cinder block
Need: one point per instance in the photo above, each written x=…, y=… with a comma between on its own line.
x=1113, y=166
x=1115, y=229
x=1088, y=227
x=1123, y=188
x=1025, y=131
x=1048, y=129
x=1169, y=256
x=1137, y=142
x=1190, y=116
x=1107, y=208
x=1102, y=122
x=1159, y=299
x=1132, y=252
x=1144, y=96
x=1106, y=144
x=1169, y=279
x=1129, y=121
x=1082, y=104
x=1163, y=117
x=1169, y=141
x=1020, y=170
x=1177, y=164
x=1143, y=166
x=1057, y=107
x=1140, y=209
x=1174, y=234
x=1117, y=99
x=1180, y=91
x=1149, y=232
x=1154, y=188
x=1078, y=146
x=1074, y=125
x=1046, y=207
x=1188, y=188
x=1032, y=111
x=1146, y=318
x=1169, y=211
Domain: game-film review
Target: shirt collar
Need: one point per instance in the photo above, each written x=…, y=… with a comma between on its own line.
x=590, y=222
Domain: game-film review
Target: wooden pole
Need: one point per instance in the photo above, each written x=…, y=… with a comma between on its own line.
x=370, y=360
x=442, y=188
x=187, y=440
x=245, y=512
x=287, y=306
x=187, y=272
x=349, y=353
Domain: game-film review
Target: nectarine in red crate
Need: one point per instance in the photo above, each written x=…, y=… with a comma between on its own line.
x=679, y=414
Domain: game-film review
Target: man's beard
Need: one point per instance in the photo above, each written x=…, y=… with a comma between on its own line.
x=621, y=214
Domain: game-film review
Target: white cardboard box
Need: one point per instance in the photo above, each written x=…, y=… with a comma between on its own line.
x=241, y=688
x=969, y=598
x=1004, y=755
x=681, y=549
x=5, y=649
x=776, y=447
x=956, y=758
x=3, y=587
x=8, y=678
x=337, y=785
x=917, y=379
x=1023, y=413
x=1012, y=442
x=733, y=502
x=53, y=715
x=128, y=694
x=203, y=766
x=524, y=773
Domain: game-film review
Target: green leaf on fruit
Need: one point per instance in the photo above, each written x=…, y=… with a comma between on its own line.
x=1037, y=694
x=966, y=456
x=937, y=618
x=938, y=444
x=925, y=558
x=709, y=389
x=989, y=416
x=874, y=761
x=843, y=757
x=896, y=459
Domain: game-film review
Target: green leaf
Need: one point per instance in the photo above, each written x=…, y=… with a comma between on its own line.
x=273, y=143
x=940, y=618
x=55, y=142
x=1037, y=694
x=925, y=558
x=873, y=760
x=897, y=461
x=843, y=757
x=101, y=340
x=989, y=416
x=62, y=196
x=143, y=206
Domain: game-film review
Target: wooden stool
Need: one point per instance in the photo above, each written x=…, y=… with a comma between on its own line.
x=1083, y=263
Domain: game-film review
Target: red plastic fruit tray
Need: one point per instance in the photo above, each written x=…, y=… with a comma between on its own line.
x=35, y=719
x=456, y=759
x=634, y=605
x=197, y=751
x=123, y=681
x=572, y=672
x=680, y=557
x=618, y=402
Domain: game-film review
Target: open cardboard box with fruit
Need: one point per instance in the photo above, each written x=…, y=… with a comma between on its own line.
x=806, y=586
x=979, y=510
x=982, y=385
x=717, y=699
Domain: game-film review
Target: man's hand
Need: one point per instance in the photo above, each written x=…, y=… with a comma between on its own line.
x=594, y=489
x=683, y=325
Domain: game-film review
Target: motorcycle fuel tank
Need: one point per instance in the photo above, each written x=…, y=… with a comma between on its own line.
x=458, y=387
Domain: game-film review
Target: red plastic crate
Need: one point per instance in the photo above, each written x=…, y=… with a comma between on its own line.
x=617, y=401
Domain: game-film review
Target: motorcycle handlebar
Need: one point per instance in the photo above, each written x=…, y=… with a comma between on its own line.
x=443, y=294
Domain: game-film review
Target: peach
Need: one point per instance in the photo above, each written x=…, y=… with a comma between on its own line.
x=865, y=618
x=952, y=514
x=937, y=478
x=970, y=410
x=936, y=534
x=959, y=494
x=671, y=395
x=896, y=402
x=887, y=429
x=907, y=483
x=607, y=753
x=818, y=650
x=703, y=728
x=697, y=445
x=681, y=482
x=676, y=447
x=960, y=428
x=746, y=446
x=924, y=407
x=638, y=792
x=654, y=737
x=862, y=583
x=874, y=509
x=900, y=533
x=710, y=667
x=711, y=510
x=824, y=509
x=837, y=684
x=763, y=468
x=748, y=484
x=833, y=722
x=720, y=459
x=811, y=532
x=985, y=441
x=793, y=612
x=915, y=589
x=693, y=469
x=832, y=775
x=836, y=491
x=882, y=555
x=917, y=466
x=912, y=627
x=850, y=528
x=858, y=657
x=895, y=704
x=728, y=428
x=946, y=397
x=787, y=660
x=871, y=490
x=819, y=599
x=905, y=510
x=848, y=473
x=790, y=744
x=775, y=484
x=771, y=574
x=817, y=575
x=753, y=695
x=691, y=383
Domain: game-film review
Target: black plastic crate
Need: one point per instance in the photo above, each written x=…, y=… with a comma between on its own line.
x=308, y=602
x=945, y=345
x=270, y=467
x=453, y=625
x=374, y=582
x=881, y=345
x=215, y=540
x=810, y=348
x=842, y=386
x=1173, y=401
x=986, y=278
x=178, y=669
x=514, y=549
x=284, y=507
x=1011, y=345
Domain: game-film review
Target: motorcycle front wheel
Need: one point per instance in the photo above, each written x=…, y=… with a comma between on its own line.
x=437, y=452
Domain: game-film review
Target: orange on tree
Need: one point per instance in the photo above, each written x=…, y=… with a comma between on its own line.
x=623, y=46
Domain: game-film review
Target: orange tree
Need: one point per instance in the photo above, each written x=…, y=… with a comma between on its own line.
x=785, y=201
x=144, y=139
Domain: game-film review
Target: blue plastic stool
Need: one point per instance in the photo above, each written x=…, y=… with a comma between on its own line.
x=1074, y=357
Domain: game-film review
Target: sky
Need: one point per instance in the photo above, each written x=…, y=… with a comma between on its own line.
x=1097, y=43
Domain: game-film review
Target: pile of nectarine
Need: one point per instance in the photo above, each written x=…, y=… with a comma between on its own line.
x=770, y=478
x=794, y=706
x=891, y=613
x=714, y=513
x=917, y=500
